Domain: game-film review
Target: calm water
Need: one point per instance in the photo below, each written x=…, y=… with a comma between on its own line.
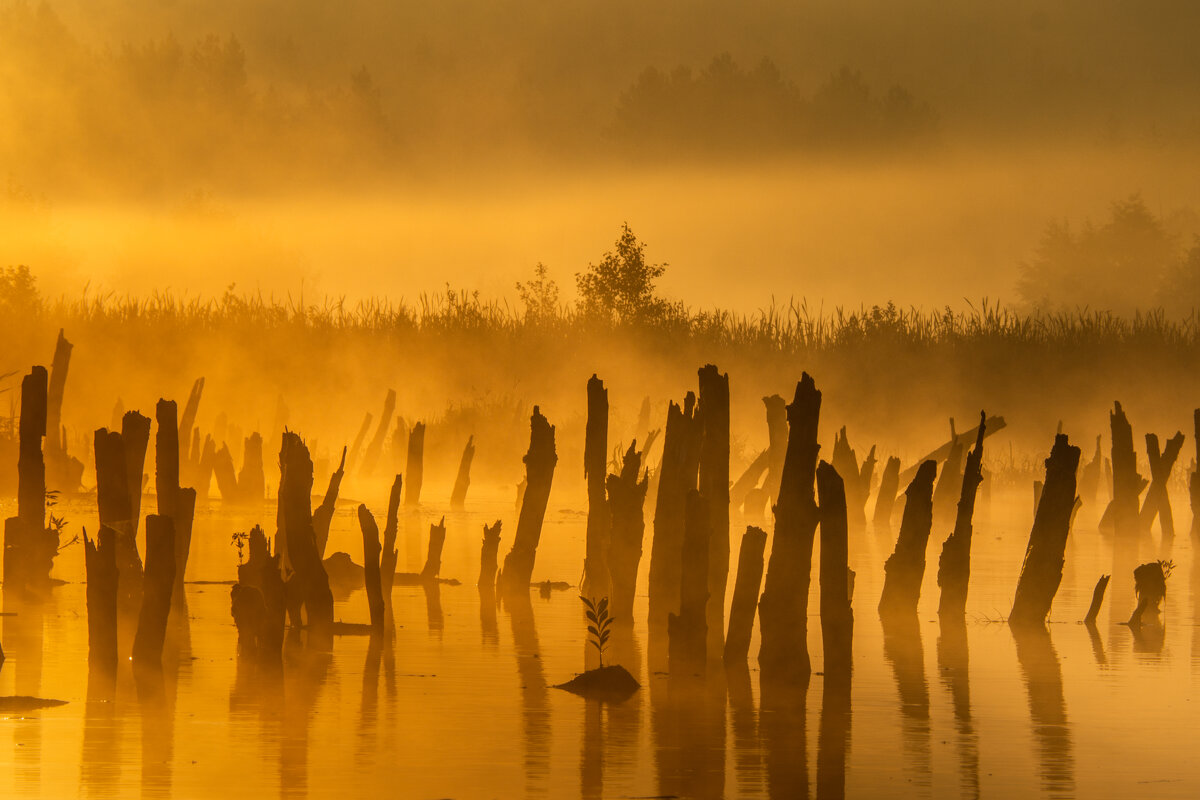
x=459, y=706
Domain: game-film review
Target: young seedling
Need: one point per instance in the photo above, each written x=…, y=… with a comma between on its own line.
x=598, y=624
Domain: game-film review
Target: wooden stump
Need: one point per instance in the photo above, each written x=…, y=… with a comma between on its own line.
x=837, y=617
x=487, y=557
x=746, y=587
x=783, y=608
x=323, y=515
x=713, y=483
x=1041, y=573
x=626, y=500
x=954, y=565
x=371, y=567
x=1097, y=600
x=414, y=468
x=100, y=560
x=687, y=631
x=433, y=557
x=307, y=588
x=391, y=529
x=462, y=480
x=1158, y=502
x=156, y=595
x=677, y=475
x=905, y=567
x=855, y=478
x=539, y=475
x=885, y=498
x=1127, y=483
x=251, y=481
x=597, y=582
x=777, y=438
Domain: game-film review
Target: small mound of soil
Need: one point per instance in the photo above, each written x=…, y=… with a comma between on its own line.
x=18, y=704
x=612, y=683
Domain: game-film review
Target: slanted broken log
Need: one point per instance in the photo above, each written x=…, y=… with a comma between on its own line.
x=307, y=587
x=597, y=582
x=487, y=557
x=677, y=475
x=157, y=588
x=252, y=481
x=993, y=424
x=687, y=631
x=713, y=482
x=837, y=617
x=372, y=550
x=1150, y=586
x=905, y=567
x=954, y=565
x=885, y=498
x=539, y=475
x=100, y=560
x=356, y=448
x=949, y=477
x=322, y=517
x=1158, y=502
x=63, y=472
x=1041, y=573
x=783, y=608
x=458, y=497
x=204, y=471
x=414, y=469
x=746, y=586
x=1097, y=600
x=375, y=448
x=433, y=557
x=188, y=419
x=391, y=529
x=626, y=501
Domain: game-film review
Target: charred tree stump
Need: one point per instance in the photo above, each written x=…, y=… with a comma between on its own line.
x=626, y=501
x=677, y=475
x=307, y=587
x=837, y=617
x=1158, y=502
x=713, y=482
x=487, y=557
x=1097, y=600
x=687, y=631
x=746, y=587
x=433, y=557
x=905, y=567
x=252, y=481
x=414, y=470
x=597, y=582
x=539, y=475
x=783, y=608
x=954, y=565
x=458, y=497
x=885, y=498
x=100, y=560
x=372, y=550
x=375, y=448
x=322, y=518
x=1041, y=573
x=156, y=597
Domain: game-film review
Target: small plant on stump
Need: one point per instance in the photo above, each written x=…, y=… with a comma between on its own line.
x=598, y=624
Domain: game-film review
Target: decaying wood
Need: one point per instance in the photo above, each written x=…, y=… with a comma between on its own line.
x=539, y=475
x=391, y=529
x=323, y=515
x=746, y=586
x=748, y=480
x=135, y=435
x=1150, y=584
x=188, y=419
x=713, y=483
x=174, y=502
x=157, y=588
x=458, y=497
x=993, y=424
x=414, y=470
x=1097, y=600
x=63, y=472
x=252, y=481
x=954, y=565
x=1127, y=483
x=597, y=582
x=949, y=477
x=1158, y=502
x=677, y=475
x=100, y=560
x=783, y=608
x=857, y=479
x=687, y=631
x=885, y=498
x=487, y=557
x=1041, y=573
x=29, y=546
x=626, y=502
x=837, y=617
x=372, y=550
x=777, y=438
x=257, y=602
x=375, y=448
x=306, y=583
x=433, y=556
x=905, y=567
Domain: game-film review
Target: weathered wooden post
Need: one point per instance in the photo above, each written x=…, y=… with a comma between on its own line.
x=322, y=517
x=596, y=580
x=885, y=498
x=626, y=499
x=837, y=616
x=433, y=556
x=677, y=475
x=1158, y=502
x=744, y=606
x=157, y=589
x=713, y=483
x=777, y=438
x=1041, y=573
x=687, y=631
x=949, y=477
x=1126, y=480
x=1097, y=600
x=856, y=479
x=372, y=579
x=458, y=497
x=100, y=560
x=252, y=481
x=414, y=469
x=783, y=608
x=487, y=557
x=391, y=530
x=905, y=567
x=540, y=460
x=954, y=565
x=1150, y=586
x=307, y=588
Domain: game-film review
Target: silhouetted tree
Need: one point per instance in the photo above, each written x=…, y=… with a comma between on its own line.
x=620, y=288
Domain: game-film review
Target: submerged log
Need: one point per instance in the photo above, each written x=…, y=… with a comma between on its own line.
x=885, y=498
x=322, y=517
x=156, y=595
x=414, y=469
x=626, y=501
x=1041, y=573
x=487, y=557
x=954, y=565
x=462, y=480
x=307, y=588
x=372, y=579
x=837, y=617
x=1097, y=600
x=905, y=567
x=433, y=557
x=677, y=475
x=783, y=608
x=597, y=582
x=539, y=475
x=1158, y=502
x=687, y=631
x=100, y=560
x=746, y=587
x=713, y=483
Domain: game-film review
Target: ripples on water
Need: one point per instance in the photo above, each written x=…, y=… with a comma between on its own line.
x=459, y=704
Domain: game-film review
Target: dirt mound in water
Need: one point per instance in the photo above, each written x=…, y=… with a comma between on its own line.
x=612, y=683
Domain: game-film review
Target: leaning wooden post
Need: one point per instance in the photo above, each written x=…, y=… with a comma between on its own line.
x=626, y=501
x=677, y=474
x=371, y=569
x=391, y=529
x=885, y=498
x=539, y=473
x=783, y=608
x=777, y=437
x=905, y=567
x=687, y=631
x=56, y=452
x=100, y=560
x=462, y=481
x=954, y=565
x=596, y=580
x=744, y=605
x=837, y=617
x=156, y=595
x=414, y=468
x=1041, y=573
x=323, y=515
x=713, y=482
x=1097, y=600
x=487, y=557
